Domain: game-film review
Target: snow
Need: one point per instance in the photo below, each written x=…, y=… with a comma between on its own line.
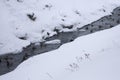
x=91, y=57
x=8, y=40
x=53, y=42
x=14, y=22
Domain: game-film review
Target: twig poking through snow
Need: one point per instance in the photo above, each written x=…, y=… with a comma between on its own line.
x=50, y=75
x=87, y=56
x=32, y=16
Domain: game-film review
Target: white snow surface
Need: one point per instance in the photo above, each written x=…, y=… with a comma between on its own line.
x=91, y=57
x=14, y=22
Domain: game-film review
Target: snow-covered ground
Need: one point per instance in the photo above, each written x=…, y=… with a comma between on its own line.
x=15, y=24
x=91, y=57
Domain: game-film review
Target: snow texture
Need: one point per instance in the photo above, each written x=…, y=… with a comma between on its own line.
x=23, y=22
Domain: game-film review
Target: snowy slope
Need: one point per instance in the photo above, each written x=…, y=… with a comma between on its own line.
x=15, y=24
x=92, y=57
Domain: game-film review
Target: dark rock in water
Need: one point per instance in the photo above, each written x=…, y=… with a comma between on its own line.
x=9, y=62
